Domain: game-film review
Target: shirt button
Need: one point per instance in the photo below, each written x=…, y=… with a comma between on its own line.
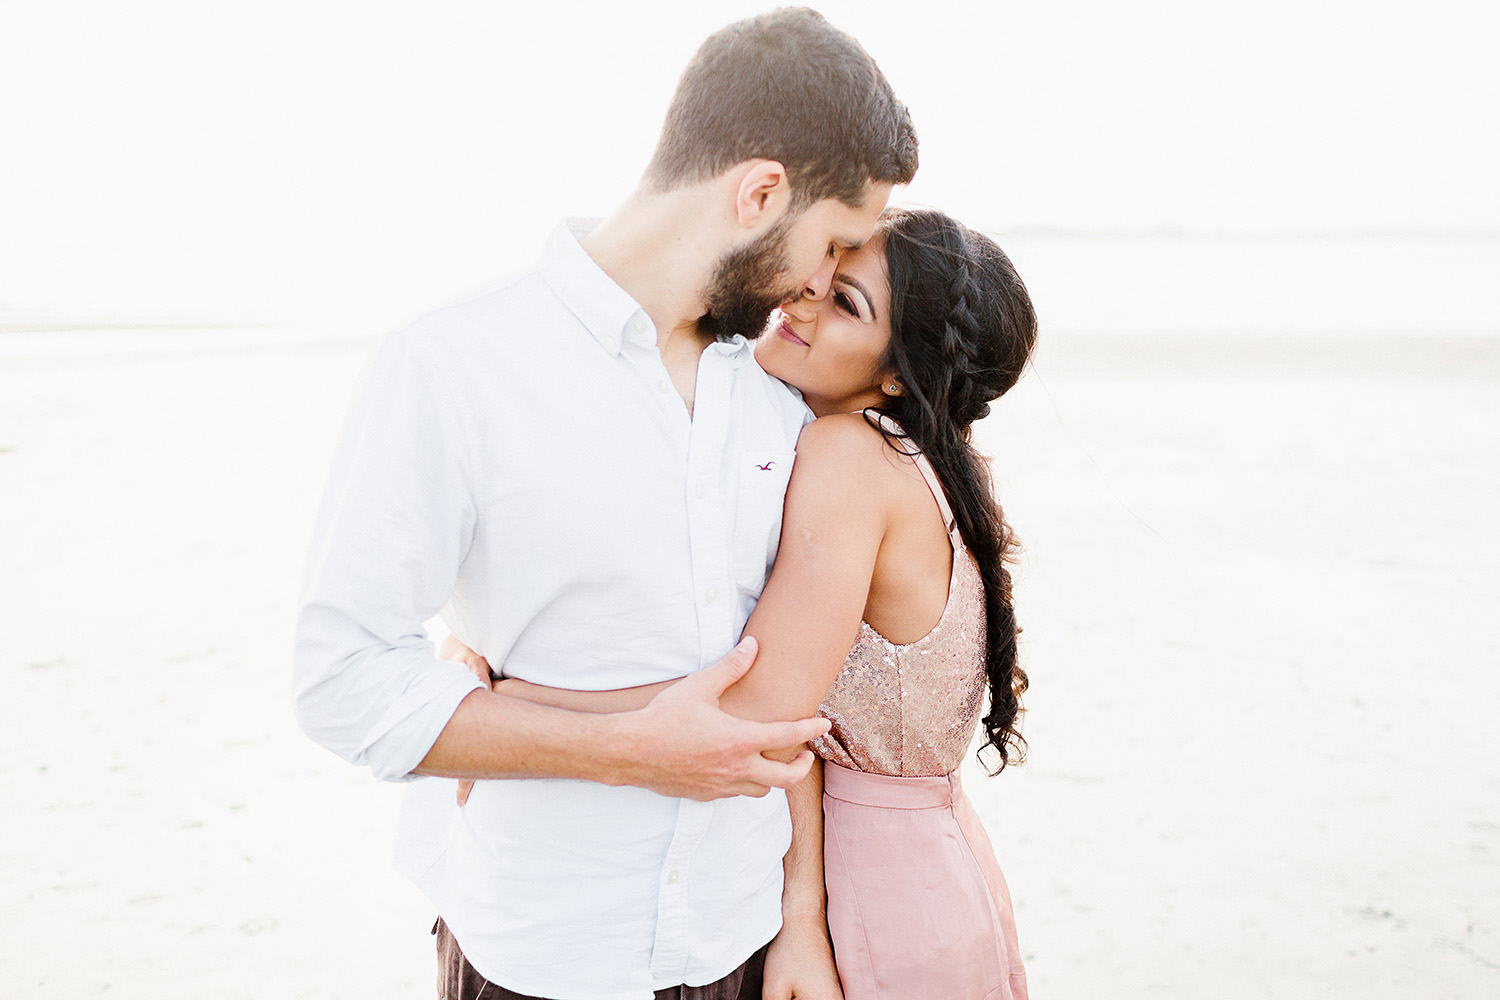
x=700, y=492
x=711, y=594
x=662, y=386
x=637, y=324
x=673, y=876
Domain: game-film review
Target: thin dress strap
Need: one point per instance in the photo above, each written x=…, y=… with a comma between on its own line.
x=909, y=447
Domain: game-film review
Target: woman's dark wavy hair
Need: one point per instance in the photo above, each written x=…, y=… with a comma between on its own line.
x=962, y=329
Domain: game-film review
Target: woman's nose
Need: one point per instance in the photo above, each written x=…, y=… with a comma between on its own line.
x=802, y=309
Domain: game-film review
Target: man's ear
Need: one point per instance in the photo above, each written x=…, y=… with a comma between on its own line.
x=764, y=193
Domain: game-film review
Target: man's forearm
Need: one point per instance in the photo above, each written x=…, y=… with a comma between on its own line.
x=680, y=744
x=495, y=736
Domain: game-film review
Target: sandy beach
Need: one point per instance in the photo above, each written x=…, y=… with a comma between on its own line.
x=1255, y=589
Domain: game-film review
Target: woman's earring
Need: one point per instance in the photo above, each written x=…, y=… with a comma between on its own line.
x=893, y=388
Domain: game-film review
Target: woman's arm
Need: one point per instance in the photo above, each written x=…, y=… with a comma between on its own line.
x=599, y=702
x=838, y=509
x=836, y=514
x=799, y=962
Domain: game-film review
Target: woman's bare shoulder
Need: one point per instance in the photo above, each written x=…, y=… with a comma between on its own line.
x=846, y=434
x=849, y=446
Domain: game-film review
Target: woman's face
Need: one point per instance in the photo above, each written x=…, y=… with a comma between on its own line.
x=831, y=348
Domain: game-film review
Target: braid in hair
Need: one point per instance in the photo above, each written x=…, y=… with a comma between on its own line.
x=962, y=329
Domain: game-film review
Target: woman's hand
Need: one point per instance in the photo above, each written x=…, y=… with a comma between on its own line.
x=454, y=650
x=799, y=964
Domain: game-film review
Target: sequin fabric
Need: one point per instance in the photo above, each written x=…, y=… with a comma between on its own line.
x=910, y=709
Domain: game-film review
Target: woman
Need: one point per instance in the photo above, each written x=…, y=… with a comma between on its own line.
x=890, y=587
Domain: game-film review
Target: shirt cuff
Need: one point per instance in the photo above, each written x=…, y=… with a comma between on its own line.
x=409, y=728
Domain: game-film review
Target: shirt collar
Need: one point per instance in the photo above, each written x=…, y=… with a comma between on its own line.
x=737, y=349
x=604, y=308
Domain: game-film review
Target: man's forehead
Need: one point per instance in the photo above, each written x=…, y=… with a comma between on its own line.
x=849, y=225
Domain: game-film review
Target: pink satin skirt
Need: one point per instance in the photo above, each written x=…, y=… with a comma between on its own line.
x=917, y=906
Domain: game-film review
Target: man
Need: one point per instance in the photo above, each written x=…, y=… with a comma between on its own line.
x=584, y=472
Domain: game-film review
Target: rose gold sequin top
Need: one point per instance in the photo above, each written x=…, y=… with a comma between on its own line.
x=910, y=709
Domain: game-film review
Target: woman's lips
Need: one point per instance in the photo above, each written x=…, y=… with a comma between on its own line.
x=784, y=331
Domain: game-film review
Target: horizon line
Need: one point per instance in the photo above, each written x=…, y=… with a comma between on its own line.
x=1182, y=232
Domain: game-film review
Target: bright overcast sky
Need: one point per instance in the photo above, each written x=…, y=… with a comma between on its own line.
x=235, y=157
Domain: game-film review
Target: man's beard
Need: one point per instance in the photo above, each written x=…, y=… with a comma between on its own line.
x=747, y=284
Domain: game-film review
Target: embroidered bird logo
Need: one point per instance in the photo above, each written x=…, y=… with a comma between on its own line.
x=766, y=467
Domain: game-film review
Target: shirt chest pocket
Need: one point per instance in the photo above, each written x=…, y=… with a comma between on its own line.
x=757, y=521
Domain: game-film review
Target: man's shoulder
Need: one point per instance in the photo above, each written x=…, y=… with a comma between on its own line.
x=512, y=322
x=495, y=311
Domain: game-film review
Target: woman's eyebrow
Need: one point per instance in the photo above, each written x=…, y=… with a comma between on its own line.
x=869, y=301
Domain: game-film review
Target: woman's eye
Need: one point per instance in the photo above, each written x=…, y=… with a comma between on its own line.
x=845, y=303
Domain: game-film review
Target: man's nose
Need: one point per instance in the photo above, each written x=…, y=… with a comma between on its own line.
x=817, y=286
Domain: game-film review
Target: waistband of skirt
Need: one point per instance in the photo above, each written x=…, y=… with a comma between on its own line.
x=889, y=791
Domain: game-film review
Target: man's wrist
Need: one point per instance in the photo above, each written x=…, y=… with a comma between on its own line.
x=619, y=750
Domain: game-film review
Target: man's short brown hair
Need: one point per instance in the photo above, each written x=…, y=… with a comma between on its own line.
x=786, y=86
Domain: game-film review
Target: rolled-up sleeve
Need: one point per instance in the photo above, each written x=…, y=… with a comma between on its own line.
x=396, y=522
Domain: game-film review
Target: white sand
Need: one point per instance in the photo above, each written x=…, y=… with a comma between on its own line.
x=1257, y=596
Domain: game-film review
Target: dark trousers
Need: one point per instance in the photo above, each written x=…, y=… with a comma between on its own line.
x=458, y=980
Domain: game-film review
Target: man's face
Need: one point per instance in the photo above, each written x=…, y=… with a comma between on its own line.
x=794, y=257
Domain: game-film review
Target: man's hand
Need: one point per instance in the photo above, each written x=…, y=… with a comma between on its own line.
x=680, y=743
x=683, y=745
x=799, y=965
